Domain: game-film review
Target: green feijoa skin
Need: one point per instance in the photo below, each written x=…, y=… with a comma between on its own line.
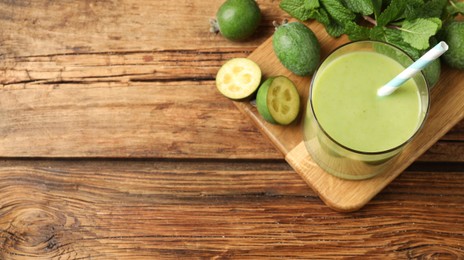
x=297, y=48
x=261, y=101
x=454, y=37
x=432, y=72
x=237, y=20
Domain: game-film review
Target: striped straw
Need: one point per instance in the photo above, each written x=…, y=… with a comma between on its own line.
x=410, y=71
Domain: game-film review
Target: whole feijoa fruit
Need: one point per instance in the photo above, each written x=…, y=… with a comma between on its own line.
x=432, y=72
x=297, y=48
x=237, y=20
x=454, y=37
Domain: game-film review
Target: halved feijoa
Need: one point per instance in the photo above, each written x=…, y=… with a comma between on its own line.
x=238, y=78
x=278, y=101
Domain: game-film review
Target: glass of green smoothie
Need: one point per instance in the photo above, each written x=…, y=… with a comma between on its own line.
x=349, y=131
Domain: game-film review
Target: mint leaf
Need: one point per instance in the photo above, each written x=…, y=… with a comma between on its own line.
x=377, y=7
x=393, y=36
x=411, y=8
x=321, y=16
x=418, y=31
x=311, y=4
x=338, y=11
x=364, y=7
x=334, y=28
x=437, y=21
x=356, y=32
x=296, y=8
x=334, y=15
x=432, y=8
x=377, y=33
x=392, y=13
x=455, y=8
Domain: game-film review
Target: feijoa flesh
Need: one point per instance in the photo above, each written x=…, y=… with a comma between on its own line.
x=238, y=78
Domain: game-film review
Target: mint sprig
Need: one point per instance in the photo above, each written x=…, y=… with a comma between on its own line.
x=364, y=7
x=409, y=25
x=455, y=8
x=298, y=9
x=418, y=31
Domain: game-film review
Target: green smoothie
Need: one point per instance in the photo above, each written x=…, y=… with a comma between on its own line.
x=348, y=109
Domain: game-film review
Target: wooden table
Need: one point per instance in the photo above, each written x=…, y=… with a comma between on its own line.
x=115, y=144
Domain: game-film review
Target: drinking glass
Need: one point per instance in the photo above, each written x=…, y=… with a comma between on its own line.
x=341, y=160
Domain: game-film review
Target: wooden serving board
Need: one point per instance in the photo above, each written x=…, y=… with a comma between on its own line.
x=447, y=109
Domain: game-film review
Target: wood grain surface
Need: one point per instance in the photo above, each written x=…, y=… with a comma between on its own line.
x=114, y=144
x=172, y=210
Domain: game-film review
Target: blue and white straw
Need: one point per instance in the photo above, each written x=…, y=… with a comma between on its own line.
x=410, y=71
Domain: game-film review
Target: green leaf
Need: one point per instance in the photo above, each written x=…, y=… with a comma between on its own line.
x=377, y=6
x=334, y=28
x=356, y=32
x=296, y=8
x=311, y=4
x=321, y=16
x=432, y=8
x=437, y=21
x=411, y=8
x=393, y=12
x=377, y=33
x=394, y=37
x=364, y=7
x=455, y=8
x=338, y=11
x=418, y=31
